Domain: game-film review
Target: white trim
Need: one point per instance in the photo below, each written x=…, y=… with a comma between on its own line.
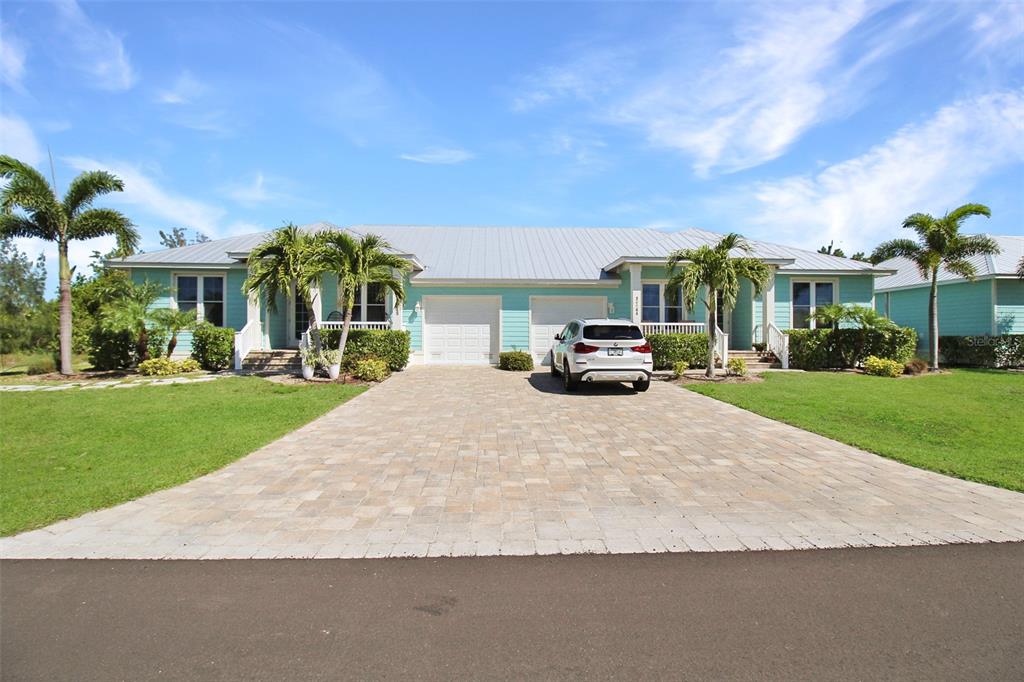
x=611, y=283
x=185, y=266
x=995, y=304
x=636, y=288
x=837, y=273
x=663, y=260
x=834, y=281
x=664, y=302
x=200, y=308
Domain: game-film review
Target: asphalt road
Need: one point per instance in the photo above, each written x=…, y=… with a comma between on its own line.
x=951, y=612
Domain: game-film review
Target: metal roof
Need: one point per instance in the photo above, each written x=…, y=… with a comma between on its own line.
x=558, y=254
x=1003, y=264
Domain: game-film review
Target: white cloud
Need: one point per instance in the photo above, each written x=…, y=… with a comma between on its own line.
x=261, y=189
x=929, y=167
x=100, y=53
x=143, y=194
x=18, y=140
x=998, y=25
x=738, y=102
x=442, y=155
x=186, y=88
x=12, y=58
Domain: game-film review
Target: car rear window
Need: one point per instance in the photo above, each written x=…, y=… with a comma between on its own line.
x=612, y=332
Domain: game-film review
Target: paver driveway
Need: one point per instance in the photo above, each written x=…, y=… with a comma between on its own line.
x=456, y=460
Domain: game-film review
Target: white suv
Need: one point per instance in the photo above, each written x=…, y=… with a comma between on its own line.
x=602, y=350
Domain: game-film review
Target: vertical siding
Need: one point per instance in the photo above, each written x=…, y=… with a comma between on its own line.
x=515, y=307
x=163, y=278
x=783, y=300
x=852, y=290
x=742, y=334
x=236, y=307
x=329, y=296
x=965, y=309
x=1009, y=308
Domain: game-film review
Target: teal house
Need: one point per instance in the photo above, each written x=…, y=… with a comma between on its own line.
x=990, y=305
x=476, y=291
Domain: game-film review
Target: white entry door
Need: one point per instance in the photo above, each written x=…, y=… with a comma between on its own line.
x=548, y=315
x=462, y=330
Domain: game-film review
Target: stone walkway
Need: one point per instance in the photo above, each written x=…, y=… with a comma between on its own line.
x=474, y=461
x=126, y=382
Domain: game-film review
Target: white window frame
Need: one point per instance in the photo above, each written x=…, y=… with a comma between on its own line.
x=362, y=307
x=663, y=307
x=813, y=281
x=200, y=307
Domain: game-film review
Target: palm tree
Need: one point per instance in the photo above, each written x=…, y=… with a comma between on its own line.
x=288, y=256
x=716, y=269
x=132, y=313
x=940, y=244
x=1020, y=268
x=29, y=207
x=361, y=261
x=174, y=321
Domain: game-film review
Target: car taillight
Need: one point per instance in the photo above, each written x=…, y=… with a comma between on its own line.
x=646, y=348
x=583, y=348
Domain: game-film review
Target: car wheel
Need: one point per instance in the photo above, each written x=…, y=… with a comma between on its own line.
x=568, y=382
x=552, y=367
x=641, y=386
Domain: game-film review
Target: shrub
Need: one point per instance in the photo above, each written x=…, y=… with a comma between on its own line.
x=839, y=348
x=680, y=366
x=391, y=345
x=158, y=367
x=736, y=367
x=309, y=357
x=110, y=349
x=330, y=356
x=41, y=366
x=759, y=347
x=669, y=349
x=213, y=347
x=515, y=361
x=915, y=366
x=188, y=365
x=983, y=351
x=882, y=367
x=371, y=369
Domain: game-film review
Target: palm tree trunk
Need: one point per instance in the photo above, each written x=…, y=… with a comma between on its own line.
x=142, y=346
x=346, y=323
x=712, y=326
x=65, y=308
x=172, y=343
x=314, y=326
x=933, y=322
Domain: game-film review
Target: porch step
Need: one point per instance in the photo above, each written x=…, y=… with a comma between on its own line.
x=755, y=361
x=272, y=361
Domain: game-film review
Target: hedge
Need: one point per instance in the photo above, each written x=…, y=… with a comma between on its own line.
x=390, y=345
x=668, y=349
x=983, y=351
x=842, y=348
x=213, y=347
x=515, y=361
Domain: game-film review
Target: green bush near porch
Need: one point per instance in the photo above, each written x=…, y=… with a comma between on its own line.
x=668, y=349
x=213, y=347
x=983, y=351
x=393, y=346
x=842, y=348
x=515, y=361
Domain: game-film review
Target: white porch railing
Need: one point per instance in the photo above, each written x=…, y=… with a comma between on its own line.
x=778, y=343
x=337, y=324
x=672, y=327
x=722, y=346
x=248, y=339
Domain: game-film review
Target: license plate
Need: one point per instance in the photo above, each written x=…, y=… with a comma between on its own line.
x=614, y=351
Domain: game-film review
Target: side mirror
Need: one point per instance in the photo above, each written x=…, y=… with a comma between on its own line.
x=558, y=337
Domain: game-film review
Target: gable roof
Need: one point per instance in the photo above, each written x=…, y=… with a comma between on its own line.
x=557, y=254
x=1003, y=264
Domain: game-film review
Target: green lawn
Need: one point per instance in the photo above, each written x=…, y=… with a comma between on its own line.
x=66, y=453
x=967, y=423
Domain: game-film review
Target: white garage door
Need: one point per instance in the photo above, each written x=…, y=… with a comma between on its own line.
x=548, y=315
x=461, y=330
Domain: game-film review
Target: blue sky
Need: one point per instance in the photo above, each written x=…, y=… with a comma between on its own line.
x=798, y=123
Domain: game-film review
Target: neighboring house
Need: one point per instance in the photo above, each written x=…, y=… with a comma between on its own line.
x=476, y=291
x=992, y=304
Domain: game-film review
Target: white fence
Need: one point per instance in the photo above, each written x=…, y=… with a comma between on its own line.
x=248, y=339
x=673, y=327
x=778, y=343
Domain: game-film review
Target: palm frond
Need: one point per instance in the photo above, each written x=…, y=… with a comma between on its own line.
x=963, y=268
x=14, y=225
x=100, y=222
x=1020, y=269
x=86, y=187
x=921, y=223
x=28, y=190
x=959, y=214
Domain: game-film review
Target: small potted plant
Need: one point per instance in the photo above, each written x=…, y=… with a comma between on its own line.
x=309, y=361
x=331, y=358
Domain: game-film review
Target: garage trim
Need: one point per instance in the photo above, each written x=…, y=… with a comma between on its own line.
x=425, y=328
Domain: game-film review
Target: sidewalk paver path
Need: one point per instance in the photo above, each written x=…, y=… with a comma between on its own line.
x=442, y=461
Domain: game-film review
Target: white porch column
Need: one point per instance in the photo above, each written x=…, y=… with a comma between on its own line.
x=768, y=301
x=635, y=292
x=396, y=305
x=252, y=315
